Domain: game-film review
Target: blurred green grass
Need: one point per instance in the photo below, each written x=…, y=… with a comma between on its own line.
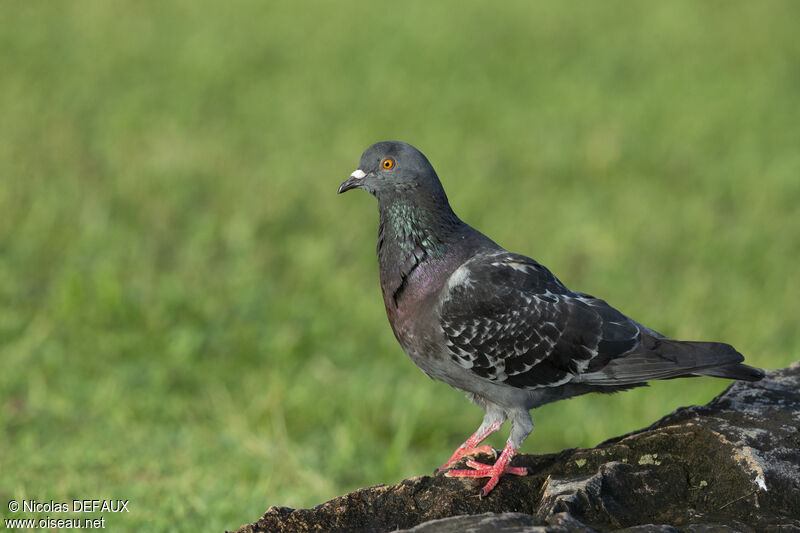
x=190, y=317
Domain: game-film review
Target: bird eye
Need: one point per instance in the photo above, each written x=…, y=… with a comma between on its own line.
x=387, y=163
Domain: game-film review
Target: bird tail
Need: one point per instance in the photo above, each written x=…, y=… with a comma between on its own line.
x=663, y=358
x=735, y=371
x=726, y=360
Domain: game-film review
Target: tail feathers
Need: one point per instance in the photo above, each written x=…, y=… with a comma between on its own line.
x=737, y=371
x=694, y=353
x=662, y=358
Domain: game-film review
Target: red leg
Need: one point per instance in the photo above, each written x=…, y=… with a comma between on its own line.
x=470, y=446
x=493, y=472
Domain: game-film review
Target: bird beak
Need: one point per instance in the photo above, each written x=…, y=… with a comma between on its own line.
x=354, y=181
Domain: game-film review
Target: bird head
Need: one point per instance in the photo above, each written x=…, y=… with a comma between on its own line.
x=392, y=168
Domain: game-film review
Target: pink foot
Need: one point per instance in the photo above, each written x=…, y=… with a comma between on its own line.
x=470, y=447
x=464, y=451
x=493, y=472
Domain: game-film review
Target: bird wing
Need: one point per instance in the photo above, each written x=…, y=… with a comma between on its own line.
x=508, y=319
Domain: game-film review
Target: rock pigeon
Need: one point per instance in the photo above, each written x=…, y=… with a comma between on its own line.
x=499, y=325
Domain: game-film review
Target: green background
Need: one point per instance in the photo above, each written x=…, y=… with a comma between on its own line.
x=190, y=317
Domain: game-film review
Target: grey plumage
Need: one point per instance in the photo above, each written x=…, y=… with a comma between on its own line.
x=499, y=325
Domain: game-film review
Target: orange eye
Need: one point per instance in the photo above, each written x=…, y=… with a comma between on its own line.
x=387, y=163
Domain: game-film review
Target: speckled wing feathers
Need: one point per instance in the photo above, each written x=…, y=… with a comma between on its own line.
x=508, y=319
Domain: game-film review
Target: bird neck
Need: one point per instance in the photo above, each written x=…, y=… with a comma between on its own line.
x=410, y=228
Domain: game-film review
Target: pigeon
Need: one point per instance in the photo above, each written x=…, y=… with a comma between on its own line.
x=499, y=325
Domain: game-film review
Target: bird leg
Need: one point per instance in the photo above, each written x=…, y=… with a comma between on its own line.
x=521, y=427
x=493, y=472
x=470, y=446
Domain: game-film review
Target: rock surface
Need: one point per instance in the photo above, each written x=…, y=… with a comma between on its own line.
x=731, y=465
